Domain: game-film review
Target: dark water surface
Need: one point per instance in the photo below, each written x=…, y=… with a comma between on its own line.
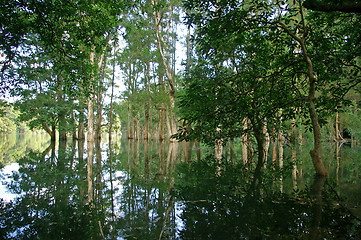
x=133, y=190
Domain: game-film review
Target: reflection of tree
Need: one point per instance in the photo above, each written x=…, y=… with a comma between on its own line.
x=49, y=206
x=222, y=207
x=14, y=146
x=146, y=207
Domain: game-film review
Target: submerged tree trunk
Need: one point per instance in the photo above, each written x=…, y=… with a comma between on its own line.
x=161, y=124
x=163, y=49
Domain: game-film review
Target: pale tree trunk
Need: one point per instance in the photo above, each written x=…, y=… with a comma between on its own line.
x=244, y=141
x=266, y=141
x=61, y=113
x=98, y=126
x=294, y=154
x=337, y=128
x=147, y=104
x=111, y=100
x=91, y=97
x=218, y=149
x=280, y=147
x=161, y=124
x=138, y=128
x=163, y=49
x=274, y=146
x=98, y=129
x=90, y=147
x=81, y=128
x=280, y=155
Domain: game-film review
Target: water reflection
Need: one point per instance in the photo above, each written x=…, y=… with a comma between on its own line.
x=159, y=190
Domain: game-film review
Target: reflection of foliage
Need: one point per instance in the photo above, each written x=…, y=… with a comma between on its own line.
x=50, y=204
x=15, y=146
x=221, y=204
x=142, y=198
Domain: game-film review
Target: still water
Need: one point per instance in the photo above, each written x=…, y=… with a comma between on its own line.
x=156, y=190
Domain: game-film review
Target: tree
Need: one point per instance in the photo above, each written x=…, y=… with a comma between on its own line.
x=272, y=43
x=72, y=36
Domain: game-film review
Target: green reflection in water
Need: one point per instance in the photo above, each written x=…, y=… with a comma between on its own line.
x=163, y=191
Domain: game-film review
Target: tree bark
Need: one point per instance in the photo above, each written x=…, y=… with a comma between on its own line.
x=51, y=132
x=316, y=153
x=244, y=141
x=157, y=16
x=81, y=130
x=161, y=125
x=258, y=132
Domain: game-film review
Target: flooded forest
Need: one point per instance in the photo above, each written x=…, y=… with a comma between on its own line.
x=194, y=119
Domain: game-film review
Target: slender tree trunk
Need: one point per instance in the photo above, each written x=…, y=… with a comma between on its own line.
x=74, y=128
x=244, y=141
x=111, y=100
x=163, y=49
x=98, y=128
x=146, y=105
x=161, y=124
x=337, y=129
x=266, y=141
x=280, y=148
x=90, y=135
x=81, y=128
x=316, y=152
x=90, y=147
x=274, y=146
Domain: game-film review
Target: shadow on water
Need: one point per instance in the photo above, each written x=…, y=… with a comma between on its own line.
x=157, y=190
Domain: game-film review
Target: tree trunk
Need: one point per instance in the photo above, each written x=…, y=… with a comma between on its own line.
x=74, y=128
x=244, y=140
x=258, y=132
x=81, y=131
x=90, y=147
x=280, y=148
x=51, y=132
x=337, y=129
x=163, y=49
x=274, y=146
x=161, y=125
x=98, y=128
x=111, y=101
x=266, y=141
x=90, y=135
x=316, y=153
